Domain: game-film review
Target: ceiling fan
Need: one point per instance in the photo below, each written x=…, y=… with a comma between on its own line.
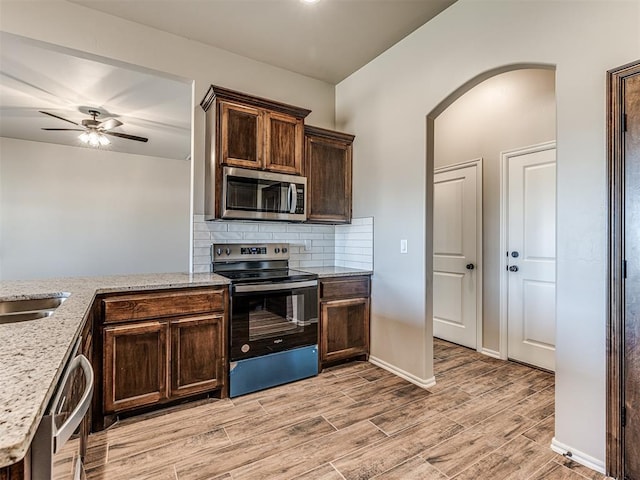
x=94, y=131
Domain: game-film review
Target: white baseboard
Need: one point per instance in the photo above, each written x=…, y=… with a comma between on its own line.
x=491, y=353
x=421, y=382
x=578, y=456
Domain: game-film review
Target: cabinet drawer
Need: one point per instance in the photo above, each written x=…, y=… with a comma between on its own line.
x=345, y=287
x=154, y=305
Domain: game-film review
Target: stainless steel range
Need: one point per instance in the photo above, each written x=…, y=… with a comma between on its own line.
x=273, y=334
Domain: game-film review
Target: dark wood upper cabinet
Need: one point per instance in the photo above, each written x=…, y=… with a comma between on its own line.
x=328, y=166
x=253, y=132
x=241, y=136
x=284, y=140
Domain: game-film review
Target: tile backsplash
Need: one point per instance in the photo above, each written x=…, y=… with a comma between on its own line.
x=354, y=244
x=310, y=245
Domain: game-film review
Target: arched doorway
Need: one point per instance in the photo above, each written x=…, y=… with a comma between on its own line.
x=495, y=117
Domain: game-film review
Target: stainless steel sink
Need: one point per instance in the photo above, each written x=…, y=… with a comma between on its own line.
x=12, y=311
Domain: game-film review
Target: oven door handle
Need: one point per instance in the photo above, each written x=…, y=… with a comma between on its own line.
x=62, y=434
x=271, y=287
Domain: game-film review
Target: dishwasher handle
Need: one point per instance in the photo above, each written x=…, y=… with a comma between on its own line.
x=62, y=434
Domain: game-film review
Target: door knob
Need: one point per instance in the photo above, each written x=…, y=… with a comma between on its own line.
x=515, y=254
x=513, y=268
x=470, y=266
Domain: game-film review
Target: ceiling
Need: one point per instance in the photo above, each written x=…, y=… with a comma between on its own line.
x=328, y=40
x=66, y=83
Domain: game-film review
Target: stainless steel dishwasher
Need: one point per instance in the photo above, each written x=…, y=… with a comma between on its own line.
x=56, y=450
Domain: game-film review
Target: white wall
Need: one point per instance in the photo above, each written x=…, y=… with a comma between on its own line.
x=70, y=211
x=385, y=104
x=508, y=111
x=74, y=26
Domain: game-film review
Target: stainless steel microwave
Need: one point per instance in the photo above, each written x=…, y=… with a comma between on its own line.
x=258, y=195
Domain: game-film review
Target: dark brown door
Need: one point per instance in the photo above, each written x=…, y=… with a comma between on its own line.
x=328, y=171
x=197, y=346
x=344, y=329
x=631, y=348
x=242, y=136
x=135, y=365
x=284, y=137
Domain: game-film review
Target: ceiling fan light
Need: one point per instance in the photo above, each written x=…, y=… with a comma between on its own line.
x=94, y=139
x=84, y=137
x=104, y=141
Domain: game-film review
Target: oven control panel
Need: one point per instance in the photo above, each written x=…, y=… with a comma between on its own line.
x=235, y=251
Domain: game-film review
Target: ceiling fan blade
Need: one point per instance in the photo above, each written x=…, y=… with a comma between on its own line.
x=58, y=117
x=128, y=137
x=109, y=124
x=64, y=129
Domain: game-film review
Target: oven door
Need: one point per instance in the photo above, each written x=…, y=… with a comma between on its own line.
x=273, y=317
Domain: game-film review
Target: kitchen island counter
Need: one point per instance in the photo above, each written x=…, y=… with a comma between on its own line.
x=33, y=353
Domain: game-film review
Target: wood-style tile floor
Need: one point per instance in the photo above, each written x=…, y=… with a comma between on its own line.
x=485, y=419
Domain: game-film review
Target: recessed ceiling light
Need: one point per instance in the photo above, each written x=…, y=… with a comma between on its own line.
x=309, y=1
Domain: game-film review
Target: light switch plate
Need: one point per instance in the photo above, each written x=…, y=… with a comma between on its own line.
x=403, y=246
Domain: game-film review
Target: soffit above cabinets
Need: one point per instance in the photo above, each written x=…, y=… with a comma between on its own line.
x=37, y=76
x=327, y=40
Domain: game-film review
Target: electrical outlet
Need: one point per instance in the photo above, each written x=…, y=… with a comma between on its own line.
x=403, y=246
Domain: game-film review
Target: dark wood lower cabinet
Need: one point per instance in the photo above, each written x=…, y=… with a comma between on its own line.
x=13, y=472
x=197, y=346
x=153, y=348
x=135, y=365
x=344, y=318
x=345, y=327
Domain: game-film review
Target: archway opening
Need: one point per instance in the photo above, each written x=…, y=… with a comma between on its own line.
x=490, y=118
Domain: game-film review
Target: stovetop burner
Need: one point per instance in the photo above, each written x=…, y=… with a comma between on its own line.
x=266, y=275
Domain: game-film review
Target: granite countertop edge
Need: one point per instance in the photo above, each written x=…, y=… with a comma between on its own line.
x=34, y=353
x=332, y=271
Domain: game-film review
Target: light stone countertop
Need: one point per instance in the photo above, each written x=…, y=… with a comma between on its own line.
x=325, y=272
x=34, y=353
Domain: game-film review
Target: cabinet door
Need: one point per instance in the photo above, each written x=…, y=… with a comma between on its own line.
x=284, y=136
x=241, y=136
x=328, y=172
x=344, y=330
x=197, y=354
x=135, y=365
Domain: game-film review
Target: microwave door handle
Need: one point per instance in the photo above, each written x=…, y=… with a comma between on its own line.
x=293, y=192
x=62, y=434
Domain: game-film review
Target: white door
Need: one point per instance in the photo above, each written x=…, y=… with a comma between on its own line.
x=531, y=245
x=456, y=198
